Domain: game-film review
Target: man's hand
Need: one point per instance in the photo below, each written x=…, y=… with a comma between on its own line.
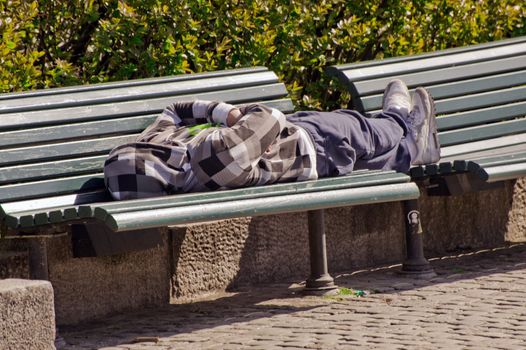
x=233, y=117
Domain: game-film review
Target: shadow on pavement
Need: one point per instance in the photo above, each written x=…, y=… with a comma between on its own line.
x=467, y=265
x=245, y=305
x=258, y=304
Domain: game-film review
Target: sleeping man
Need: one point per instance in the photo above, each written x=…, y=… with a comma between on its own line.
x=203, y=145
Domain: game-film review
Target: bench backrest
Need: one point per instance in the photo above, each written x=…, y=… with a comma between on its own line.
x=53, y=142
x=480, y=92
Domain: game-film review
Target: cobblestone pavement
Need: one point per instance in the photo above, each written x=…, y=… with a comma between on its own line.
x=477, y=301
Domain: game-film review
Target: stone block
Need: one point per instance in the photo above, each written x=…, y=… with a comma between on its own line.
x=516, y=220
x=27, y=316
x=364, y=236
x=90, y=288
x=474, y=220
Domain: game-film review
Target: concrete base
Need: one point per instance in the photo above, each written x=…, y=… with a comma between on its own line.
x=90, y=288
x=474, y=220
x=27, y=316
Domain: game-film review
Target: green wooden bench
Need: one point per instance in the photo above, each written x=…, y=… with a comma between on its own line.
x=53, y=144
x=480, y=95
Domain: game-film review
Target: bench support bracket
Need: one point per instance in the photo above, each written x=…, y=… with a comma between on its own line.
x=38, y=263
x=415, y=265
x=458, y=184
x=95, y=239
x=319, y=281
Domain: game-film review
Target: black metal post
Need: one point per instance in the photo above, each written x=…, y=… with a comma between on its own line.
x=415, y=264
x=319, y=281
x=38, y=264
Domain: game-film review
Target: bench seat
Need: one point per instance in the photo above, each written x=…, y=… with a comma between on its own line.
x=480, y=96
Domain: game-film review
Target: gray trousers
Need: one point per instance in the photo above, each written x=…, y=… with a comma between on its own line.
x=345, y=141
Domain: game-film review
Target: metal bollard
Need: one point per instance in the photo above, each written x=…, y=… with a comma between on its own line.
x=416, y=264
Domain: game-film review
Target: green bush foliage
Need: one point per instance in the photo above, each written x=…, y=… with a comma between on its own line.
x=49, y=43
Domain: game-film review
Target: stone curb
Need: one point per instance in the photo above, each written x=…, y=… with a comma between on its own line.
x=27, y=315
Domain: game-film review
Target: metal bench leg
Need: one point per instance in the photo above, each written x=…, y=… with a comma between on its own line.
x=319, y=281
x=415, y=264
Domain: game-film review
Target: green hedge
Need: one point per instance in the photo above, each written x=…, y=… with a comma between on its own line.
x=51, y=43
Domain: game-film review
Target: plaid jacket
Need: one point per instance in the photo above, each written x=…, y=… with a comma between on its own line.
x=189, y=148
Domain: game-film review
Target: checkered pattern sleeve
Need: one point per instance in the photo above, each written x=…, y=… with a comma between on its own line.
x=228, y=157
x=187, y=113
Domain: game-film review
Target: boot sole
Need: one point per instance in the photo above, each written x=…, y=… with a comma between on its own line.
x=433, y=142
x=388, y=87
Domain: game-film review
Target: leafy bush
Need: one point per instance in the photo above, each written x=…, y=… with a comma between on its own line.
x=51, y=43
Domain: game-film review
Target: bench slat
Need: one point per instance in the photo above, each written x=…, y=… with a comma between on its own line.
x=59, y=116
x=486, y=99
x=47, y=204
x=476, y=117
x=517, y=157
x=439, y=53
x=478, y=85
x=460, y=150
x=434, y=63
x=462, y=88
x=131, y=83
x=64, y=208
x=444, y=75
x=119, y=126
x=43, y=153
x=356, y=196
x=284, y=105
x=141, y=92
x=482, y=154
x=50, y=170
x=264, y=206
x=51, y=187
x=503, y=173
x=482, y=132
